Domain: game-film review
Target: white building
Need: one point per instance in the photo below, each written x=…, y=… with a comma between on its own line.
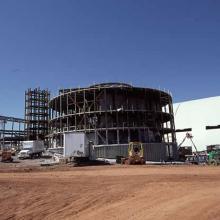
x=197, y=114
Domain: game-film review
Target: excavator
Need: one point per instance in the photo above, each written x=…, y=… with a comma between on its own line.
x=135, y=154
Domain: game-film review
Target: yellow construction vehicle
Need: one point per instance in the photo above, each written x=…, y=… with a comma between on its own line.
x=135, y=154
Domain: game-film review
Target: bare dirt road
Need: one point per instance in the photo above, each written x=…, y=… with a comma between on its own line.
x=111, y=192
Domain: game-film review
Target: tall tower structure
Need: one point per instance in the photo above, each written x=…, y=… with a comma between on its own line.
x=36, y=113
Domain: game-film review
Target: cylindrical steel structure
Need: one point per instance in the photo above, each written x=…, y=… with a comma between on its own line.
x=113, y=113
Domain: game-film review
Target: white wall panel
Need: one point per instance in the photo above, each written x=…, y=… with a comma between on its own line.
x=198, y=114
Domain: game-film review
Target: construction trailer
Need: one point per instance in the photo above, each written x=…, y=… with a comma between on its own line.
x=76, y=144
x=114, y=114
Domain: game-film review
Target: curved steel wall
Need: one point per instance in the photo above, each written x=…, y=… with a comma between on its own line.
x=113, y=113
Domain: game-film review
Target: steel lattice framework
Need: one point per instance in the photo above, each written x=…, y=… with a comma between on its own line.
x=11, y=131
x=113, y=113
x=36, y=113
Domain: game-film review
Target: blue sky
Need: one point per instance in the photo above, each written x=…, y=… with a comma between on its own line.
x=172, y=44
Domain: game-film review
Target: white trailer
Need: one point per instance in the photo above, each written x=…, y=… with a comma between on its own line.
x=76, y=144
x=31, y=149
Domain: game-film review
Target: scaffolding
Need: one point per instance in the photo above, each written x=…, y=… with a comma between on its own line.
x=36, y=113
x=113, y=113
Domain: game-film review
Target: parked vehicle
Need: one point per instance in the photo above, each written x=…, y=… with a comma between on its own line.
x=31, y=149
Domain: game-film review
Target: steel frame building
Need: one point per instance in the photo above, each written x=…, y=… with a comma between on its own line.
x=113, y=114
x=11, y=131
x=36, y=113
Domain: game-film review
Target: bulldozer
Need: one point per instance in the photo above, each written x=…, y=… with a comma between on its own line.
x=135, y=154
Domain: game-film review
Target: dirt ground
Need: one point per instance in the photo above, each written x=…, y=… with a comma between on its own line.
x=110, y=192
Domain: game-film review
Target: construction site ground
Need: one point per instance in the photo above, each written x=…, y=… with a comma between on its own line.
x=109, y=192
